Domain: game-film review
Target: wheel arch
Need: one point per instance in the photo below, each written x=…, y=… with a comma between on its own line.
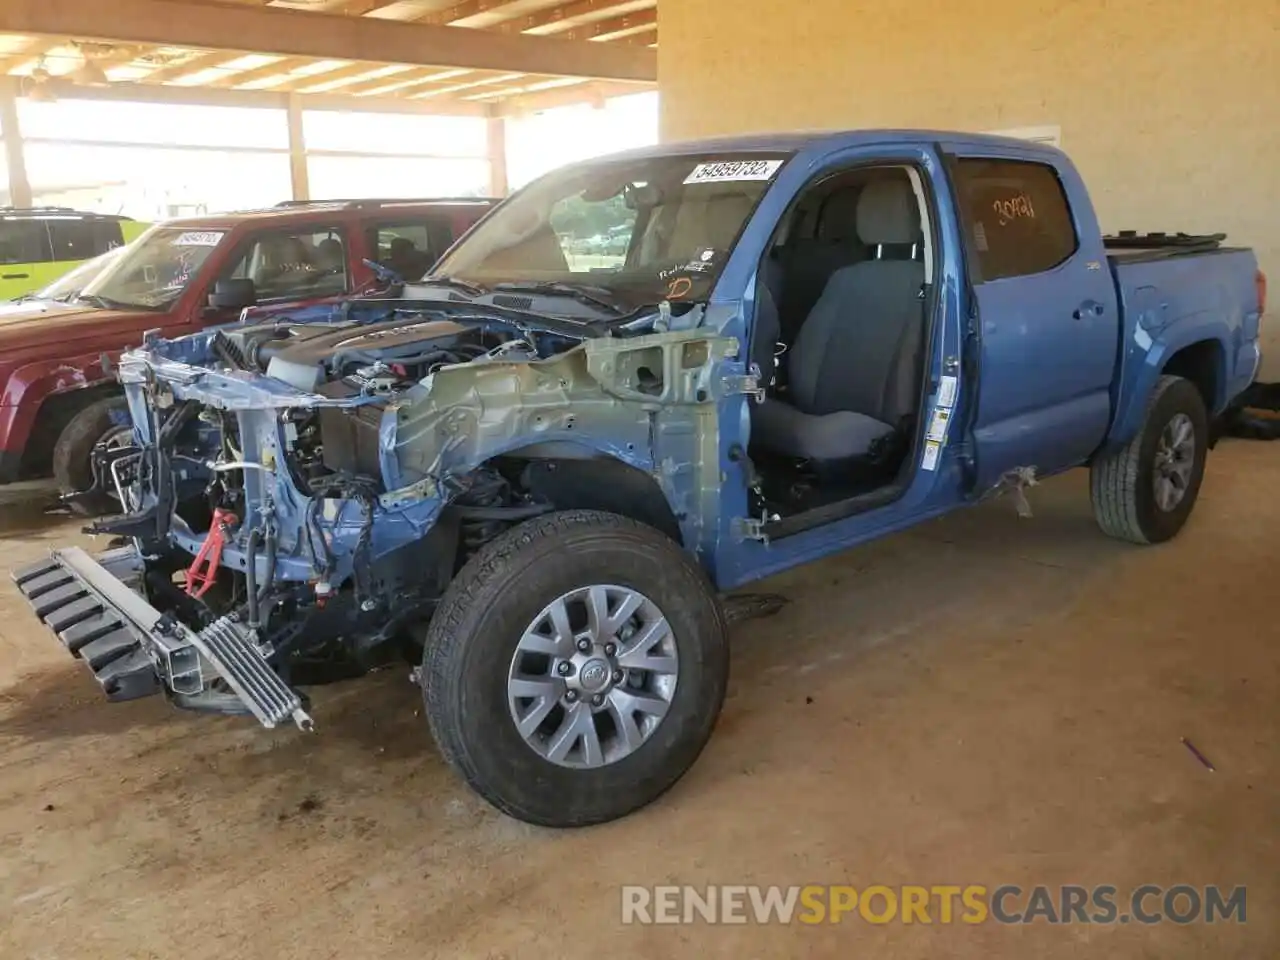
x=55, y=412
x=574, y=476
x=1202, y=360
x=1204, y=364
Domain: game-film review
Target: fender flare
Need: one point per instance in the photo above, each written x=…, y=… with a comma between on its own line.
x=1133, y=395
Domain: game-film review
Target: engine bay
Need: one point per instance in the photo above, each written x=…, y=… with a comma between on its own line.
x=363, y=357
x=320, y=477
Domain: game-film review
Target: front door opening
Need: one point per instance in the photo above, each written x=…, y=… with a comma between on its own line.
x=841, y=338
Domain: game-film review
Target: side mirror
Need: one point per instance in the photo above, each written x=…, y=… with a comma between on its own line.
x=233, y=294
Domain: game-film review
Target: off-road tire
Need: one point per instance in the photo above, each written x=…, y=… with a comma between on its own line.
x=470, y=641
x=72, y=453
x=1121, y=483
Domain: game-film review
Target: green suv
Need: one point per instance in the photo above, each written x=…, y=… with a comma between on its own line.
x=38, y=245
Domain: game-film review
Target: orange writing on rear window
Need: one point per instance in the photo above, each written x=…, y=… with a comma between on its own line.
x=1015, y=208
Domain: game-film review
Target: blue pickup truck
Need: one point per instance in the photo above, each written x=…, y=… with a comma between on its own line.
x=537, y=469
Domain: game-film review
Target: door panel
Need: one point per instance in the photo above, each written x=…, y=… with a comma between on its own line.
x=1048, y=321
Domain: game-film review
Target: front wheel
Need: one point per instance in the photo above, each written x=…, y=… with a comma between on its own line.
x=575, y=668
x=1145, y=491
x=103, y=421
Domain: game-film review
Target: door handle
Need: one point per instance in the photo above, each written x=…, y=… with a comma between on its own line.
x=1089, y=306
x=15, y=276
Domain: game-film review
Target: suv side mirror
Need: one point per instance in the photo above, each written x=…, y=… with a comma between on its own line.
x=235, y=294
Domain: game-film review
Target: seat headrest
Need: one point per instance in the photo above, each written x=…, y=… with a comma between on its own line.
x=887, y=213
x=726, y=214
x=709, y=221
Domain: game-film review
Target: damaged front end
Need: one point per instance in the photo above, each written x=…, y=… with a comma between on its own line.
x=299, y=494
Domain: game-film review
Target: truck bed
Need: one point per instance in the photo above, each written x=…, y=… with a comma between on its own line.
x=1129, y=246
x=1166, y=283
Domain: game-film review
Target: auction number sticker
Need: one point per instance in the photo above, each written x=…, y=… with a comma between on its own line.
x=726, y=171
x=198, y=238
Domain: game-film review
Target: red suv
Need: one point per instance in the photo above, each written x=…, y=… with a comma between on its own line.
x=58, y=394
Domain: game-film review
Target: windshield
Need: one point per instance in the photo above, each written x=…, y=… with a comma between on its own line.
x=72, y=282
x=152, y=272
x=638, y=230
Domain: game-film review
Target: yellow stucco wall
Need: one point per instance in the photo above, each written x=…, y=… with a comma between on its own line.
x=1171, y=108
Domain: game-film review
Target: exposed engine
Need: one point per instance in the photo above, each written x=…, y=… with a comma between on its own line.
x=364, y=358
x=354, y=360
x=267, y=514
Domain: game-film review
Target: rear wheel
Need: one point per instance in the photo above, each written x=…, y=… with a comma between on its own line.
x=103, y=420
x=1145, y=492
x=575, y=668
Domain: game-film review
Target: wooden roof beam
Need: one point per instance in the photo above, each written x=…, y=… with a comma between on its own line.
x=270, y=30
x=337, y=80
x=30, y=55
x=616, y=28
x=396, y=85
x=569, y=15
x=201, y=61
x=282, y=68
x=213, y=97
x=594, y=92
x=465, y=10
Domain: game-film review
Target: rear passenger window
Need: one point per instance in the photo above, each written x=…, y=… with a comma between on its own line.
x=82, y=239
x=24, y=241
x=411, y=248
x=1019, y=219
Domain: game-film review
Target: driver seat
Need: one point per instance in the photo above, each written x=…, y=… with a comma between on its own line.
x=854, y=370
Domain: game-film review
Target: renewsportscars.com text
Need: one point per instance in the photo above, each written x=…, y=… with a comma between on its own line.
x=936, y=904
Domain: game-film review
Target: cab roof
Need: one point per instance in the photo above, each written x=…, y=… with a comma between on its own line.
x=818, y=142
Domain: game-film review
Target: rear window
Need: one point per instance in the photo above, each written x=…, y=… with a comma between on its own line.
x=83, y=239
x=24, y=241
x=1019, y=219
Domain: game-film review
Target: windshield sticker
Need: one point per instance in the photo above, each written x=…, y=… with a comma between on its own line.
x=679, y=287
x=198, y=238
x=734, y=170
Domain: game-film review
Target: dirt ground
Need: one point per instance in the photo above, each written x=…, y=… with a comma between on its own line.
x=983, y=700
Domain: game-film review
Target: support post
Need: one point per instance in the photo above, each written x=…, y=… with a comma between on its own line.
x=497, y=135
x=15, y=156
x=297, y=150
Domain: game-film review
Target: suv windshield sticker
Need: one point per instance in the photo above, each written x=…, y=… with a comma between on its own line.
x=205, y=238
x=732, y=170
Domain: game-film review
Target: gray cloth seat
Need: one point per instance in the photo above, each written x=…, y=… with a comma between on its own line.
x=810, y=263
x=854, y=369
